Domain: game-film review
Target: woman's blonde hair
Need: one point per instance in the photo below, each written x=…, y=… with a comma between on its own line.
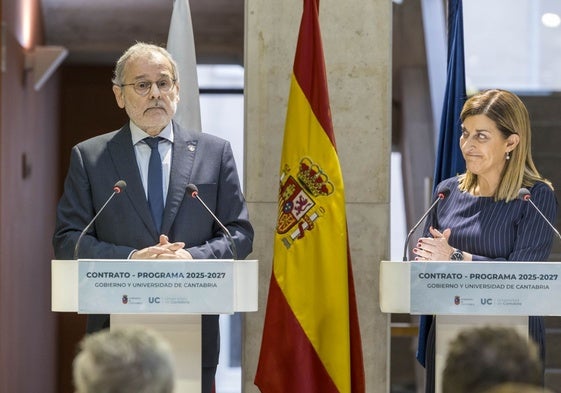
x=511, y=117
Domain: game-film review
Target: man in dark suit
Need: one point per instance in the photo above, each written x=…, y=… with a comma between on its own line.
x=139, y=223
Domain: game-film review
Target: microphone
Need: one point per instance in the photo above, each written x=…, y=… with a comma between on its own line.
x=525, y=195
x=441, y=195
x=194, y=191
x=117, y=188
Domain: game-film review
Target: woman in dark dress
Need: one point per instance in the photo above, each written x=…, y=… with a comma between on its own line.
x=483, y=218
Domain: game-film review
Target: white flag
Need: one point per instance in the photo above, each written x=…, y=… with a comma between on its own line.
x=181, y=45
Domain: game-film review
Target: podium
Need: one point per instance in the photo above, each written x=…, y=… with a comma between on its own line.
x=166, y=296
x=468, y=294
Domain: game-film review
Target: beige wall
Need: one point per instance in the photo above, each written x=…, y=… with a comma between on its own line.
x=357, y=46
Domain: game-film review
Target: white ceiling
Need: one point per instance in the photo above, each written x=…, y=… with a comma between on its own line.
x=98, y=31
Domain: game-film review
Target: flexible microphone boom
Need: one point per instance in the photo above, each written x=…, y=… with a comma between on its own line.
x=194, y=191
x=525, y=195
x=441, y=195
x=117, y=188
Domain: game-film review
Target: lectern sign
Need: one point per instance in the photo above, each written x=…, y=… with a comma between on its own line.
x=507, y=288
x=123, y=287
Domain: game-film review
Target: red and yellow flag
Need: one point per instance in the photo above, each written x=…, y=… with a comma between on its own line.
x=311, y=338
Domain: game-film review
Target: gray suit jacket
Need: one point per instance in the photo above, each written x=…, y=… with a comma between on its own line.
x=126, y=224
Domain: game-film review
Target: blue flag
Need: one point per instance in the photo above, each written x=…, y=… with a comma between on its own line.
x=449, y=159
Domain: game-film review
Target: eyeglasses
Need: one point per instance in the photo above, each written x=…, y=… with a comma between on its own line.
x=143, y=87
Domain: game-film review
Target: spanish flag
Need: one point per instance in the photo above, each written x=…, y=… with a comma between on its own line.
x=311, y=337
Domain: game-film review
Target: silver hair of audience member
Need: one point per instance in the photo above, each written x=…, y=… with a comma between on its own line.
x=124, y=360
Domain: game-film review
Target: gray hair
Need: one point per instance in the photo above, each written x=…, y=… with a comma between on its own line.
x=124, y=360
x=141, y=49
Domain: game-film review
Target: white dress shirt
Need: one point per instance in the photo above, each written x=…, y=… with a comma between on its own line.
x=142, y=152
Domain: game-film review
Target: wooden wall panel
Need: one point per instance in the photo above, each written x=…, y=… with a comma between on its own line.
x=88, y=108
x=28, y=135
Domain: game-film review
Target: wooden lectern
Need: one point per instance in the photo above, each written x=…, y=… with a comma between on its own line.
x=468, y=294
x=166, y=296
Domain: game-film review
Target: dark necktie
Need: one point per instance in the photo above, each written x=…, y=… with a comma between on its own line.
x=155, y=182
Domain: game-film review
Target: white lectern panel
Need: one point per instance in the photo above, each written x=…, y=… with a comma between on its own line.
x=183, y=331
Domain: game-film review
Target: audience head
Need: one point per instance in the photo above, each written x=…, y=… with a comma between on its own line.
x=124, y=360
x=483, y=357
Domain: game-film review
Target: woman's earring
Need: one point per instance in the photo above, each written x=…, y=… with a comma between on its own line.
x=507, y=155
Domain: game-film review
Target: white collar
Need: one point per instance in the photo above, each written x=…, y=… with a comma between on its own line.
x=138, y=135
